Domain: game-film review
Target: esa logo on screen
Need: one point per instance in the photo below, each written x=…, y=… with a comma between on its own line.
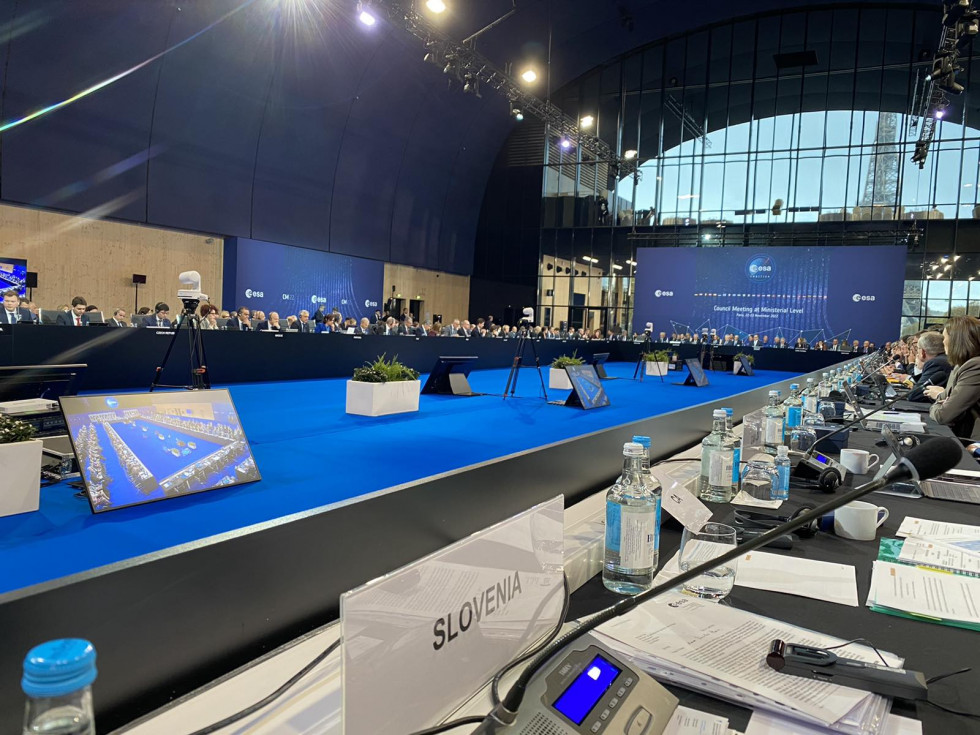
x=111, y=402
x=858, y=298
x=760, y=268
x=250, y=294
x=368, y=303
x=662, y=294
x=318, y=299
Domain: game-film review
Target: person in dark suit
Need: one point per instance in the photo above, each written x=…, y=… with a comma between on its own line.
x=271, y=324
x=160, y=318
x=13, y=312
x=242, y=321
x=935, y=367
x=119, y=319
x=364, y=328
x=304, y=325
x=74, y=317
x=958, y=405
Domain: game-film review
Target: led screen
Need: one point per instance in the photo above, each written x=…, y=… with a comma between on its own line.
x=140, y=447
x=13, y=274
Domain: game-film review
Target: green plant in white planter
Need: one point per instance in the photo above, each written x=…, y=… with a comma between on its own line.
x=20, y=467
x=656, y=362
x=557, y=377
x=383, y=387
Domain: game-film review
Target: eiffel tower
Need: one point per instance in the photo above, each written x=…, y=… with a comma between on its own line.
x=882, y=185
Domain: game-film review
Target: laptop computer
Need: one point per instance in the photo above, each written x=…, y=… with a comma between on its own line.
x=961, y=486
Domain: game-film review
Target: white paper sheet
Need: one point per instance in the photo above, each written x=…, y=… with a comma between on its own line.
x=924, y=592
x=687, y=721
x=743, y=498
x=940, y=555
x=766, y=723
x=924, y=528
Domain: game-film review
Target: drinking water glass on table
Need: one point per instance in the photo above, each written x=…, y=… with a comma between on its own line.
x=713, y=540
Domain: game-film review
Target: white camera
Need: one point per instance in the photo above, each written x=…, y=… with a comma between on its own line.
x=190, y=282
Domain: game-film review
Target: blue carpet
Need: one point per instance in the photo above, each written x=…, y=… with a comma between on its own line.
x=311, y=453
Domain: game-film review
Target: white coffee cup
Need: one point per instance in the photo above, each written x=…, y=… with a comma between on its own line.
x=859, y=520
x=858, y=461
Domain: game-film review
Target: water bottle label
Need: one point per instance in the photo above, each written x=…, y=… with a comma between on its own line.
x=794, y=416
x=736, y=464
x=612, y=526
x=774, y=430
x=656, y=529
x=811, y=404
x=720, y=468
x=636, y=537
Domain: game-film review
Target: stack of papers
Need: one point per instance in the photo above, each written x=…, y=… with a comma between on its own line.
x=687, y=721
x=924, y=594
x=947, y=556
x=721, y=651
x=961, y=534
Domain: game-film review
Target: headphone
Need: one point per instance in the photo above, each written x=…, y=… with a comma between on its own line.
x=761, y=522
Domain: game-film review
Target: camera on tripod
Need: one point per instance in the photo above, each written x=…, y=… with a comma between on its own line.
x=527, y=320
x=190, y=291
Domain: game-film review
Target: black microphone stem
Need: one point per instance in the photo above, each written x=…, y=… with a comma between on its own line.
x=851, y=424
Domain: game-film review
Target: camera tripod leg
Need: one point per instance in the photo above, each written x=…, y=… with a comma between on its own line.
x=537, y=364
x=515, y=367
x=166, y=357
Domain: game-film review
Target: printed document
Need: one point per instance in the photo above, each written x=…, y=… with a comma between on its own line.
x=940, y=555
x=923, y=528
x=924, y=592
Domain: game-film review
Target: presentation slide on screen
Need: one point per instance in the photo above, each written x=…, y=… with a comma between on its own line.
x=819, y=293
x=141, y=447
x=13, y=275
x=286, y=279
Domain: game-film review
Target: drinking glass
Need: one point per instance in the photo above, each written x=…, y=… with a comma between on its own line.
x=713, y=540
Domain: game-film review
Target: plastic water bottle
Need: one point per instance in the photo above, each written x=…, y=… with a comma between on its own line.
x=736, y=446
x=631, y=516
x=810, y=396
x=824, y=387
x=773, y=429
x=780, y=488
x=793, y=406
x=653, y=484
x=57, y=680
x=717, y=456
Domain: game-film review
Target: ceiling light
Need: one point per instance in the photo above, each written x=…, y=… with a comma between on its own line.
x=586, y=121
x=436, y=6
x=365, y=15
x=566, y=143
x=629, y=155
x=631, y=262
x=617, y=266
x=529, y=75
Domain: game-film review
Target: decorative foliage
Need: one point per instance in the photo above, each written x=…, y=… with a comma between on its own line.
x=657, y=356
x=384, y=371
x=12, y=430
x=750, y=359
x=563, y=361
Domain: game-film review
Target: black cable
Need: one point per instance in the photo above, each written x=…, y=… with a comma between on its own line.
x=495, y=684
x=950, y=711
x=251, y=709
x=866, y=642
x=940, y=677
x=474, y=720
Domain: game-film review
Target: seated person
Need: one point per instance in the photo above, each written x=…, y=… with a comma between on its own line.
x=958, y=405
x=209, y=318
x=303, y=324
x=13, y=312
x=327, y=326
x=242, y=321
x=364, y=327
x=119, y=319
x=802, y=344
x=74, y=317
x=160, y=318
x=271, y=324
x=934, y=365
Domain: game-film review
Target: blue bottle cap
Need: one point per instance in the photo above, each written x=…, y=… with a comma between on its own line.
x=729, y=411
x=644, y=440
x=58, y=668
x=794, y=386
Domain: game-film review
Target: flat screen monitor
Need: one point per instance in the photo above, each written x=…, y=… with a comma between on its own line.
x=587, y=391
x=13, y=274
x=141, y=447
x=51, y=382
x=598, y=361
x=696, y=377
x=449, y=375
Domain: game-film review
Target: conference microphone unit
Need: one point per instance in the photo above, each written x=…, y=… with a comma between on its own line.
x=921, y=463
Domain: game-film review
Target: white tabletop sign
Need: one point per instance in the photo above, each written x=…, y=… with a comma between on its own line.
x=421, y=640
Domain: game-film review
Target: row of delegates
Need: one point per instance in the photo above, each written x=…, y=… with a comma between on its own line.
x=18, y=310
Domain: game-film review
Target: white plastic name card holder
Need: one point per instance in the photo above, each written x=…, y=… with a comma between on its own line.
x=420, y=641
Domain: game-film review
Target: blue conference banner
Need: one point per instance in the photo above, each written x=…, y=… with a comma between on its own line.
x=825, y=293
x=283, y=278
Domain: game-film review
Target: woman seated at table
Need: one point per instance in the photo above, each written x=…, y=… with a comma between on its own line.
x=958, y=405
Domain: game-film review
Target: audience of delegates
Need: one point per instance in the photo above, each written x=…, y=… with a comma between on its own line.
x=13, y=311
x=958, y=404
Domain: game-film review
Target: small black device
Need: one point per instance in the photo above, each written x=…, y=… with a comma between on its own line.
x=449, y=375
x=826, y=472
x=823, y=665
x=31, y=280
x=139, y=278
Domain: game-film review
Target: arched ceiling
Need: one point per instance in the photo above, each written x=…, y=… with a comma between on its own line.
x=285, y=120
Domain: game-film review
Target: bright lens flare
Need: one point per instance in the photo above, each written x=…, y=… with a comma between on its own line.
x=436, y=6
x=366, y=18
x=529, y=76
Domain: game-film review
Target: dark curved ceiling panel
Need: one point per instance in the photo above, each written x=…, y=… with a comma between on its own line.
x=286, y=120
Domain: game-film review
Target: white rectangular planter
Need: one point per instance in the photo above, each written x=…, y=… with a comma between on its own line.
x=656, y=368
x=558, y=379
x=381, y=399
x=20, y=468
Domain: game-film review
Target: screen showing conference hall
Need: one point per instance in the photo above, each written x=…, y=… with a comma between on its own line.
x=13, y=274
x=140, y=447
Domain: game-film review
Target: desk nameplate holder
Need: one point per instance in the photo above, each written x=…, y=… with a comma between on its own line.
x=421, y=640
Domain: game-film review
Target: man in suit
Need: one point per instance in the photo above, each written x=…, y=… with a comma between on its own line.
x=119, y=319
x=160, y=318
x=452, y=330
x=303, y=325
x=13, y=312
x=75, y=316
x=271, y=324
x=930, y=357
x=242, y=321
x=835, y=346
x=364, y=328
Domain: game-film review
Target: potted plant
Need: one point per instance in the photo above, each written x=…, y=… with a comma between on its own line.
x=557, y=377
x=383, y=387
x=737, y=362
x=656, y=362
x=20, y=467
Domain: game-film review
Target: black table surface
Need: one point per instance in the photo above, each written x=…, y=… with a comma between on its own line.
x=927, y=647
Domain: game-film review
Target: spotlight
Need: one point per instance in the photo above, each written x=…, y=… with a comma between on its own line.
x=940, y=113
x=436, y=6
x=631, y=262
x=565, y=143
x=366, y=15
x=471, y=84
x=629, y=155
x=529, y=76
x=617, y=267
x=586, y=121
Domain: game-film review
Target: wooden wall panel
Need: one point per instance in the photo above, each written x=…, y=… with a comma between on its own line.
x=441, y=293
x=96, y=259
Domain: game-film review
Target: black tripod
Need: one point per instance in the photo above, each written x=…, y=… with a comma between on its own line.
x=522, y=342
x=640, y=368
x=200, y=380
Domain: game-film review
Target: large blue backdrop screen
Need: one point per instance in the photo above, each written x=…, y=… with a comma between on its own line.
x=283, y=278
x=820, y=293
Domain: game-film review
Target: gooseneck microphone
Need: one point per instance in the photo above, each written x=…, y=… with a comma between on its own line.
x=851, y=424
x=921, y=463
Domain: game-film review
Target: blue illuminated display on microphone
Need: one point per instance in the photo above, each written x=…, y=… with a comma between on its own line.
x=587, y=689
